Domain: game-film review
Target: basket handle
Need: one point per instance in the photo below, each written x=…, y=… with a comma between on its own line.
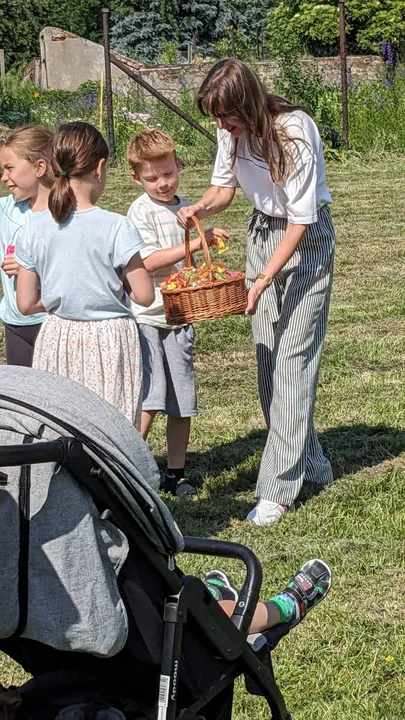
x=207, y=256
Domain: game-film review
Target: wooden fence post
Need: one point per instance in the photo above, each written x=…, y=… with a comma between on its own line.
x=2, y=65
x=343, y=70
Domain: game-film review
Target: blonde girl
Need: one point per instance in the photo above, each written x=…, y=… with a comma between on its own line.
x=25, y=159
x=76, y=261
x=272, y=150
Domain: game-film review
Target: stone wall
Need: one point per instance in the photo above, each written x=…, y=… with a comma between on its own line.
x=171, y=79
x=68, y=60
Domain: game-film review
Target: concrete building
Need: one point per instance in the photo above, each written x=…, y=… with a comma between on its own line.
x=68, y=61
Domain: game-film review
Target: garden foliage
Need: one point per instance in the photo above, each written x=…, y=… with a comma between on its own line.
x=313, y=27
x=376, y=110
x=249, y=29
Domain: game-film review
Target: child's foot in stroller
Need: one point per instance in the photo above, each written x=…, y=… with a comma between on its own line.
x=307, y=588
x=220, y=586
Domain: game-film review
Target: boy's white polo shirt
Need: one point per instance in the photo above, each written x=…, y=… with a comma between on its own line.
x=158, y=227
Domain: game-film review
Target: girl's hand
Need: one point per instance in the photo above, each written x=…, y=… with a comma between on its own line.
x=10, y=266
x=254, y=295
x=185, y=213
x=218, y=232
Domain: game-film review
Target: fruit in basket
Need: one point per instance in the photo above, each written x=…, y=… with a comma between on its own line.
x=197, y=277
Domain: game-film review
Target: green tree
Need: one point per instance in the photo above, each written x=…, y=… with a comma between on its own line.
x=20, y=25
x=256, y=13
x=197, y=22
x=82, y=17
x=140, y=26
x=231, y=29
x=309, y=26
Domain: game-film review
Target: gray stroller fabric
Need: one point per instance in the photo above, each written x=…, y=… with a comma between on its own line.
x=74, y=554
x=73, y=560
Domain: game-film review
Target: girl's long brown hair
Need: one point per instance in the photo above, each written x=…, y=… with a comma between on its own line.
x=77, y=149
x=232, y=89
x=33, y=143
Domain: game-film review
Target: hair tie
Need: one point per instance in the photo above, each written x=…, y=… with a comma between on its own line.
x=62, y=173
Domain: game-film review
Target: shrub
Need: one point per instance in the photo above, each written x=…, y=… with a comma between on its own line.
x=306, y=87
x=376, y=108
x=16, y=100
x=376, y=111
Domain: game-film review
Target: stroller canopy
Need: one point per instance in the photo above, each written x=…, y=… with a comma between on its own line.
x=62, y=519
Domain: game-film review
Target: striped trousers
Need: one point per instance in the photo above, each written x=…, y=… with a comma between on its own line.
x=289, y=329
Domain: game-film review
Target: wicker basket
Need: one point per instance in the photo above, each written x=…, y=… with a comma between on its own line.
x=214, y=299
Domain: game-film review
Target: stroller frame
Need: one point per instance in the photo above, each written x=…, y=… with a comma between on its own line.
x=187, y=595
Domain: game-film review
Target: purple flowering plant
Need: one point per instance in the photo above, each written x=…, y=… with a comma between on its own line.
x=90, y=100
x=387, y=52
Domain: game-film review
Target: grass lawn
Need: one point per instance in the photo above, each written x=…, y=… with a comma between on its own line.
x=346, y=660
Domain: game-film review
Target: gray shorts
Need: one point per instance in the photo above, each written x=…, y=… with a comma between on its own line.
x=168, y=370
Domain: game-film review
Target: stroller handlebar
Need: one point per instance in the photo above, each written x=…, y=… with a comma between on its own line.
x=30, y=454
x=249, y=594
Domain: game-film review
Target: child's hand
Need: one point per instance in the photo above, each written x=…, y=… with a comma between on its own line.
x=213, y=233
x=10, y=266
x=217, y=237
x=213, y=236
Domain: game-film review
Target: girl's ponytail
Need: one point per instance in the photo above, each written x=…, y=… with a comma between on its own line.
x=77, y=149
x=62, y=199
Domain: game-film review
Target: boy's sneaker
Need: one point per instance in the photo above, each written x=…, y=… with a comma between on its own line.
x=180, y=488
x=184, y=489
x=266, y=512
x=220, y=586
x=308, y=587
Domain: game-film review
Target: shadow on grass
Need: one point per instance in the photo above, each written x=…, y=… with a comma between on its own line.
x=231, y=468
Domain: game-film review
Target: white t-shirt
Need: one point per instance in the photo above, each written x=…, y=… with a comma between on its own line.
x=300, y=194
x=159, y=230
x=80, y=262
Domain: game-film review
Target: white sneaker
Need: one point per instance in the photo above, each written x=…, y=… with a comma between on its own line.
x=266, y=512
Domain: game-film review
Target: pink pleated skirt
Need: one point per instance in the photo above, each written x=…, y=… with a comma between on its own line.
x=102, y=355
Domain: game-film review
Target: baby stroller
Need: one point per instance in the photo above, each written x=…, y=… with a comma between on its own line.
x=92, y=602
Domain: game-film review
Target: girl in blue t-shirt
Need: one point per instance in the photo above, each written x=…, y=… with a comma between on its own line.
x=26, y=161
x=77, y=262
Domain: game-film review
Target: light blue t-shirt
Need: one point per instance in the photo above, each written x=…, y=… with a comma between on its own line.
x=12, y=217
x=80, y=262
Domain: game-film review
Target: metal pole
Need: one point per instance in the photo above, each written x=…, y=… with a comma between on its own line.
x=233, y=54
x=101, y=100
x=189, y=52
x=188, y=119
x=107, y=59
x=343, y=71
x=2, y=65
